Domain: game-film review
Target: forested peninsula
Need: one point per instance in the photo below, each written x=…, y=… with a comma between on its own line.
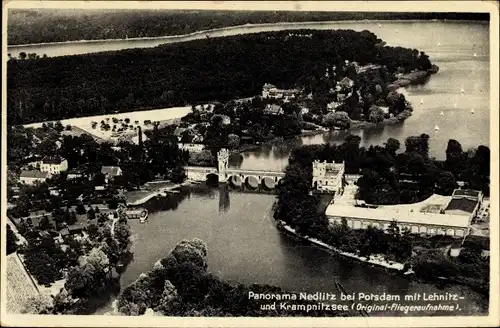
x=216, y=69
x=28, y=26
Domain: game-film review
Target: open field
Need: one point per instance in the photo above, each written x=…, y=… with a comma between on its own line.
x=136, y=118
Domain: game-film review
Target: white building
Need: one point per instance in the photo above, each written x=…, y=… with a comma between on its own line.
x=328, y=177
x=111, y=172
x=437, y=215
x=32, y=177
x=53, y=165
x=191, y=147
x=416, y=222
x=270, y=91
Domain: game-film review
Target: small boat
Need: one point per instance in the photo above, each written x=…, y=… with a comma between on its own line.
x=462, y=91
x=442, y=113
x=472, y=111
x=436, y=128
x=421, y=101
x=379, y=25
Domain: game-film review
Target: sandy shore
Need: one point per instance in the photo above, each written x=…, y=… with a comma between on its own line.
x=371, y=260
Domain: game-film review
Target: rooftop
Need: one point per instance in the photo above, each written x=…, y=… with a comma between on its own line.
x=401, y=215
x=462, y=204
x=53, y=160
x=268, y=86
x=346, y=81
x=111, y=170
x=466, y=193
x=34, y=174
x=273, y=108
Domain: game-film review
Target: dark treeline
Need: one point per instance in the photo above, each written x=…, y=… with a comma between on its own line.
x=58, y=25
x=202, y=70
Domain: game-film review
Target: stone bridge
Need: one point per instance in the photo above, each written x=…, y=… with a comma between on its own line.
x=237, y=177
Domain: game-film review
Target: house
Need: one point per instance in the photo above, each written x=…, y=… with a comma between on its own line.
x=32, y=177
x=111, y=172
x=266, y=89
x=53, y=165
x=191, y=147
x=327, y=177
x=75, y=229
x=270, y=91
x=273, y=109
x=346, y=83
x=385, y=109
x=178, y=132
x=333, y=106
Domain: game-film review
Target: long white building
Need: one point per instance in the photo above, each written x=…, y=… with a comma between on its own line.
x=437, y=215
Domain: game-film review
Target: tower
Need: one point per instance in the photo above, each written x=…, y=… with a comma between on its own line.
x=222, y=162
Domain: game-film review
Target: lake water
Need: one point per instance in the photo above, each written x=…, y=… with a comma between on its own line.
x=243, y=243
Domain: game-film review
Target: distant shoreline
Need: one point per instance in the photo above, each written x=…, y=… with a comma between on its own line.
x=220, y=29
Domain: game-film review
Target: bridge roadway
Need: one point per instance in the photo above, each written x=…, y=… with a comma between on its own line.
x=236, y=176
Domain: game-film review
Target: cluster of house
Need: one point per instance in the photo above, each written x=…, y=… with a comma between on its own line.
x=54, y=165
x=47, y=167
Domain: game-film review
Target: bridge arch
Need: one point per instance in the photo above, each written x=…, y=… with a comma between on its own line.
x=268, y=183
x=212, y=178
x=252, y=181
x=235, y=180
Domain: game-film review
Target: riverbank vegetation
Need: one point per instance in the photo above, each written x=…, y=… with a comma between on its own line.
x=60, y=25
x=389, y=178
x=181, y=285
x=213, y=69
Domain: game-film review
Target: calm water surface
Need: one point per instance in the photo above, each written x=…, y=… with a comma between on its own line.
x=243, y=244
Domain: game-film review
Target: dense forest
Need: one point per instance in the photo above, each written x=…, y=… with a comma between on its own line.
x=59, y=25
x=198, y=71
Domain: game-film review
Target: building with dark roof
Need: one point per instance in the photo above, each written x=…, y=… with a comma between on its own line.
x=32, y=177
x=463, y=206
x=111, y=171
x=54, y=165
x=467, y=193
x=273, y=109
